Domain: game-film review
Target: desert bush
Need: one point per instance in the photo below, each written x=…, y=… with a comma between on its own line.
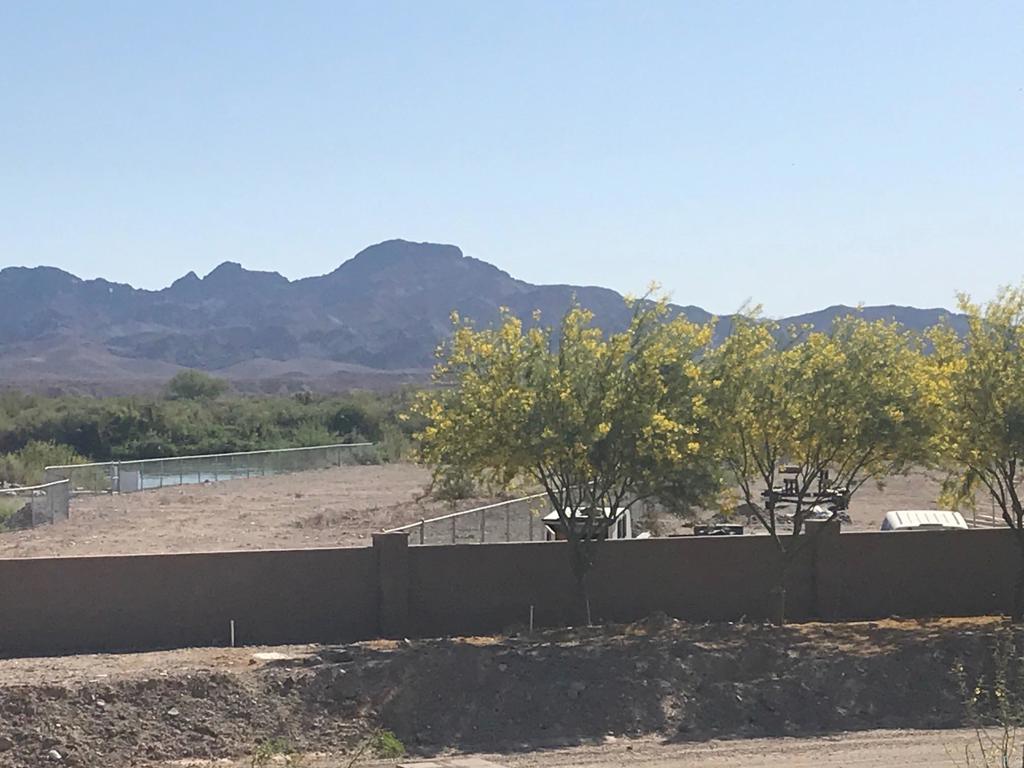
x=195, y=385
x=451, y=484
x=107, y=429
x=394, y=445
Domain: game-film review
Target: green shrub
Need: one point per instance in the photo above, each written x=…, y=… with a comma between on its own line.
x=107, y=429
x=386, y=745
x=25, y=467
x=8, y=506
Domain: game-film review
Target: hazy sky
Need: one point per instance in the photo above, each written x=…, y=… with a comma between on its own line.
x=795, y=153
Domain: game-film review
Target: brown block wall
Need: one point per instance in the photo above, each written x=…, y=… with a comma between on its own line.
x=470, y=588
x=76, y=604
x=83, y=604
x=933, y=573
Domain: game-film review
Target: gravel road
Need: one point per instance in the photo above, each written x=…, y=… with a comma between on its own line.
x=868, y=749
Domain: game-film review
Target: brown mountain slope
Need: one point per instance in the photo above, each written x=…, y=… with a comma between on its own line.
x=375, y=319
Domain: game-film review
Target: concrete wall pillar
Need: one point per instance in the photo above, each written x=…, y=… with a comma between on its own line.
x=392, y=550
x=827, y=570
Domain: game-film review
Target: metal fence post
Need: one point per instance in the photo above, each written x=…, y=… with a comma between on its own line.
x=483, y=525
x=117, y=477
x=423, y=526
x=508, y=523
x=453, y=528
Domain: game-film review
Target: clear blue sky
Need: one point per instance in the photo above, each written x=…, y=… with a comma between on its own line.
x=795, y=153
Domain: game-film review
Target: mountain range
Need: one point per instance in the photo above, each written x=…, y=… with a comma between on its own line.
x=375, y=321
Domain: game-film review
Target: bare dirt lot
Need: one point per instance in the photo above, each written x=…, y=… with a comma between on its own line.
x=683, y=684
x=334, y=507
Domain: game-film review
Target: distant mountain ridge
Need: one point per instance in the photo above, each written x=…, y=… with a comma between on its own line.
x=376, y=319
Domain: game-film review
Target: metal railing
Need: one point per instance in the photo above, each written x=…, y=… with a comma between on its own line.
x=505, y=521
x=146, y=474
x=34, y=505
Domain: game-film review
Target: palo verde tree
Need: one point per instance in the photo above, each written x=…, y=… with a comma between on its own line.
x=815, y=415
x=982, y=441
x=599, y=422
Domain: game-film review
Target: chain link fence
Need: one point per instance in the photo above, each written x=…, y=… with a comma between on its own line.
x=34, y=505
x=513, y=520
x=146, y=474
x=516, y=520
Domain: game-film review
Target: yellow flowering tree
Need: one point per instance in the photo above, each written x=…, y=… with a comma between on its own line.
x=809, y=413
x=599, y=422
x=982, y=443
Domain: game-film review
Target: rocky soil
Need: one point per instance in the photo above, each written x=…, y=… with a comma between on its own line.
x=683, y=683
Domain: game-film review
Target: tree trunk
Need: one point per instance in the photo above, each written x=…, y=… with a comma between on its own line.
x=779, y=591
x=581, y=562
x=581, y=609
x=780, y=606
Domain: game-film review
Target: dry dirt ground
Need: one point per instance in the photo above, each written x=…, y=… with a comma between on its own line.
x=334, y=507
x=870, y=749
x=867, y=749
x=684, y=686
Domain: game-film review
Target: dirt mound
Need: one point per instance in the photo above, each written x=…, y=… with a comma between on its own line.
x=204, y=715
x=558, y=687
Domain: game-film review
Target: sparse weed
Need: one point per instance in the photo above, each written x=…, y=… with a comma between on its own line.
x=380, y=743
x=268, y=750
x=385, y=744
x=994, y=706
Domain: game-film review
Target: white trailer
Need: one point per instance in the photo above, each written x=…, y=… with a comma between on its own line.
x=923, y=520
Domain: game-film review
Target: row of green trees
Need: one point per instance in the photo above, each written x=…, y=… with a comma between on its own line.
x=195, y=415
x=602, y=422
